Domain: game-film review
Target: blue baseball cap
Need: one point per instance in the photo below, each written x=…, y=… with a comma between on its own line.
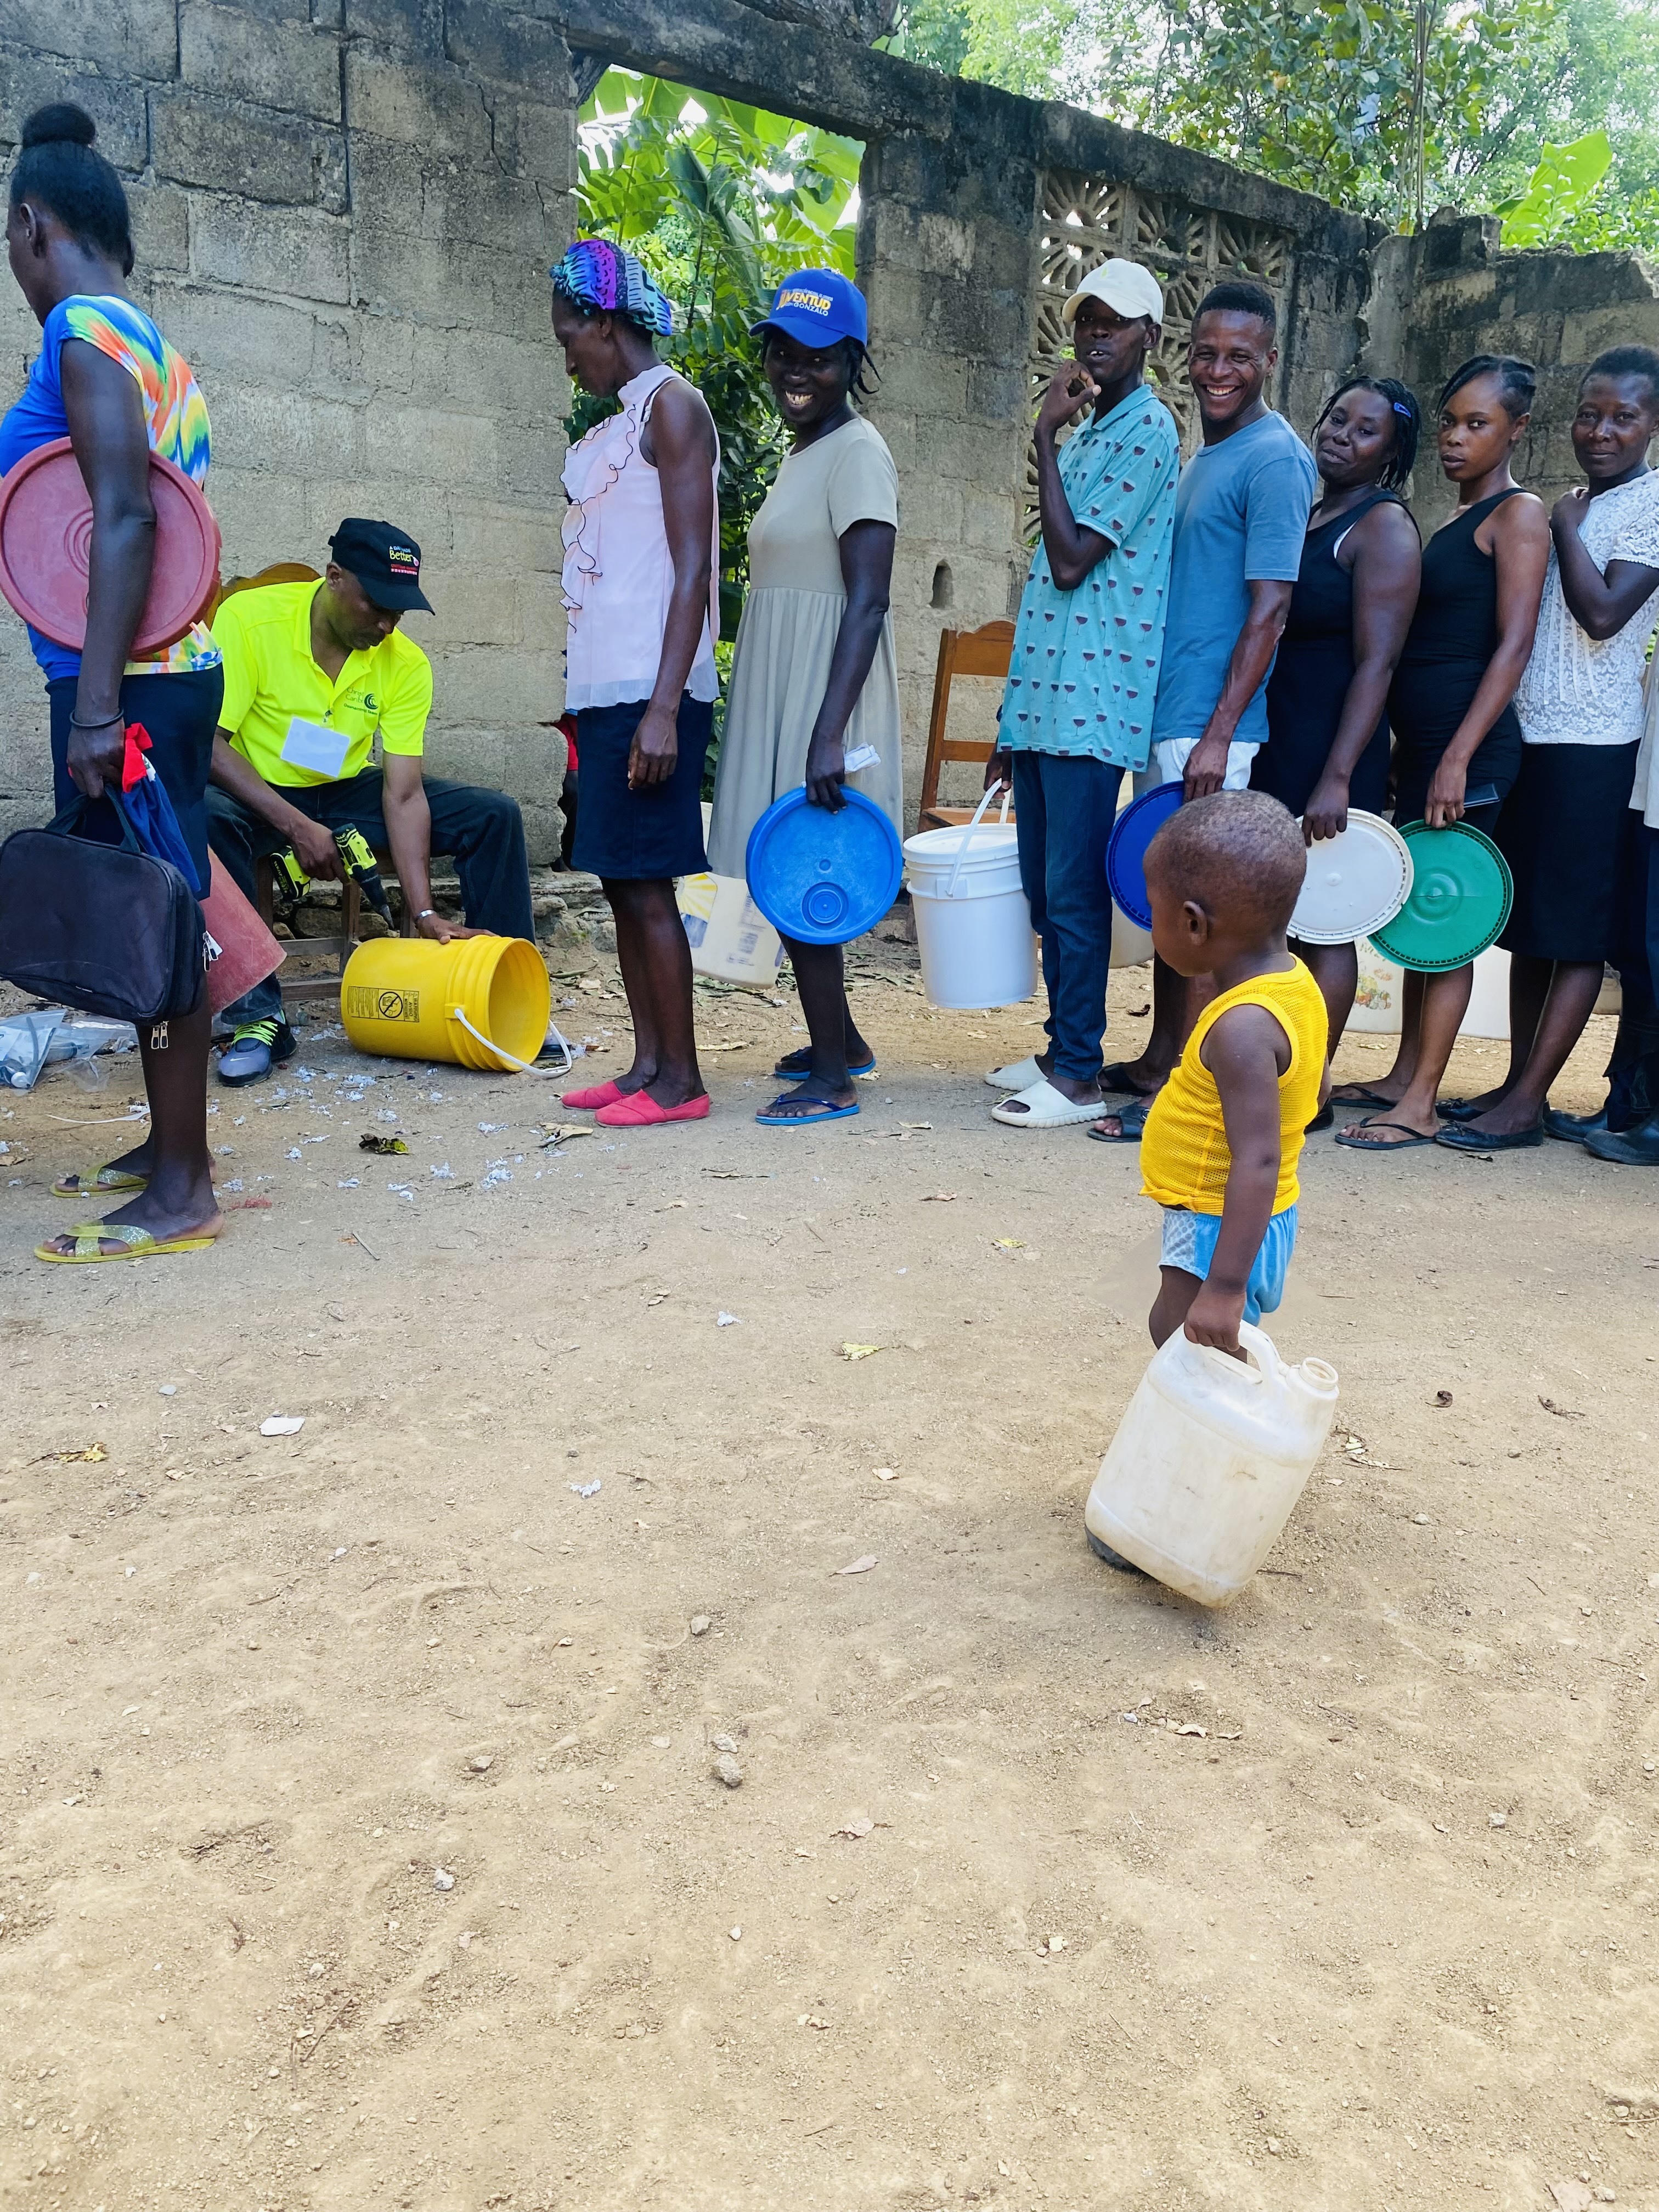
x=816, y=307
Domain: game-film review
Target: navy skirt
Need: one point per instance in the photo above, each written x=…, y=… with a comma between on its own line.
x=180, y=712
x=640, y=836
x=1562, y=832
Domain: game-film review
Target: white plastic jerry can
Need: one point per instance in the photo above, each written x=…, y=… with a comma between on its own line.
x=1209, y=1457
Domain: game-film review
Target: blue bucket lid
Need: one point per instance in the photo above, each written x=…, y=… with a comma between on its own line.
x=820, y=878
x=1126, y=849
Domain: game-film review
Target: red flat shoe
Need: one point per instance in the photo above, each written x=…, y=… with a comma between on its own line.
x=597, y=1094
x=640, y=1110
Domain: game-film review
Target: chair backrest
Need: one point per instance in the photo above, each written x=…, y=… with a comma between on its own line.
x=982, y=652
x=279, y=572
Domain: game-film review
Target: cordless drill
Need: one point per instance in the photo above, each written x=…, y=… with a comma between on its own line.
x=359, y=857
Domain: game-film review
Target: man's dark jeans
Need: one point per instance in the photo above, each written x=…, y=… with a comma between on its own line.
x=1064, y=809
x=483, y=830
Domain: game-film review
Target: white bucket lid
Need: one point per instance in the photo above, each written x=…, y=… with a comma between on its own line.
x=1356, y=883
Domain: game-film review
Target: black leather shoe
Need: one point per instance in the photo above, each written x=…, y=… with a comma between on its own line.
x=1630, y=1148
x=1457, y=1109
x=1461, y=1139
x=1574, y=1128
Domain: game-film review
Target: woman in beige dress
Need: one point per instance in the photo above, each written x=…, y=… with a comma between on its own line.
x=814, y=675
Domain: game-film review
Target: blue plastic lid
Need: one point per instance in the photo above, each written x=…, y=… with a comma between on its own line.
x=820, y=878
x=1126, y=849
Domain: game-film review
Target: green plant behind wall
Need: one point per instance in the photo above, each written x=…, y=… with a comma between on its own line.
x=721, y=201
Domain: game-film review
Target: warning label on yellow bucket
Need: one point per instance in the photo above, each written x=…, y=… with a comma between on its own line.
x=369, y=1006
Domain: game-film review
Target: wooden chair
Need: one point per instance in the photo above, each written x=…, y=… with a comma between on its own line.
x=338, y=948
x=981, y=652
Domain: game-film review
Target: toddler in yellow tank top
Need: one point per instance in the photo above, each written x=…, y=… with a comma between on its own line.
x=1225, y=1135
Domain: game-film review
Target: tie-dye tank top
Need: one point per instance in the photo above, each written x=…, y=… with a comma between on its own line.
x=175, y=416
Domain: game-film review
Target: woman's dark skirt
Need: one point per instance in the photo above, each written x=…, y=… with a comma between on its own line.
x=1561, y=831
x=645, y=835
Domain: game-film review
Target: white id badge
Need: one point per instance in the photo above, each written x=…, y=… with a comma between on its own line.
x=861, y=756
x=314, y=746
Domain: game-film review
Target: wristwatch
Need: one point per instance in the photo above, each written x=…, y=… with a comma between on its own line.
x=428, y=913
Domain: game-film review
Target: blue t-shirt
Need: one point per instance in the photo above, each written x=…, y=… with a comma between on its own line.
x=1083, y=673
x=176, y=421
x=1241, y=515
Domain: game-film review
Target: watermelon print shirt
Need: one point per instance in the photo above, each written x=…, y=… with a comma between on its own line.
x=1083, y=675
x=175, y=414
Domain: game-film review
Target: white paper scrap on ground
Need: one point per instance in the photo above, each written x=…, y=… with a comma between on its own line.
x=282, y=1425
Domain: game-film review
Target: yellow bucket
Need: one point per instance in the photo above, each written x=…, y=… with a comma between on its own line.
x=479, y=1001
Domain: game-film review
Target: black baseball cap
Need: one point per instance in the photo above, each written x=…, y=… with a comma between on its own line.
x=385, y=559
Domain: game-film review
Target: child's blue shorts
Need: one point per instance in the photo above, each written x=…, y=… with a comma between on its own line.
x=1190, y=1243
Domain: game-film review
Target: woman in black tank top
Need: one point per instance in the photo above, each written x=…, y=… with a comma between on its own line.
x=1458, y=742
x=1328, y=725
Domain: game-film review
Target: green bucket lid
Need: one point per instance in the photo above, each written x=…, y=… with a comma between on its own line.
x=1460, y=899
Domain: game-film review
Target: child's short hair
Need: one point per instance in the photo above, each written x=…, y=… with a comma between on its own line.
x=1236, y=852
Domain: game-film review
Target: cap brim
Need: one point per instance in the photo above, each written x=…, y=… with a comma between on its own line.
x=806, y=330
x=394, y=598
x=1131, y=315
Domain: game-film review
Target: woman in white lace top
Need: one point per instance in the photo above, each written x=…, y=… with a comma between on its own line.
x=1580, y=705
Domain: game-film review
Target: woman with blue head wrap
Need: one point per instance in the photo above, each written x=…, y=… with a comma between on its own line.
x=640, y=593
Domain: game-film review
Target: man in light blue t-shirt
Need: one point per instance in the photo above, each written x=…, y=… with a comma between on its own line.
x=1241, y=514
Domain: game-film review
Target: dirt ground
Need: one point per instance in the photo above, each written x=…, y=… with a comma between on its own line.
x=360, y=1844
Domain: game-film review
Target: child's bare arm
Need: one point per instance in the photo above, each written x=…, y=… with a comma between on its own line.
x=1247, y=1052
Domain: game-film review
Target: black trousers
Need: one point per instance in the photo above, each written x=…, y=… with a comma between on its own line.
x=482, y=830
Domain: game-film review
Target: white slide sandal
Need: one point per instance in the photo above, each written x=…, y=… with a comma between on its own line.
x=1045, y=1108
x=1019, y=1075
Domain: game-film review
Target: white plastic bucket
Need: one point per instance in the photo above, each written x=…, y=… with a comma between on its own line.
x=973, y=923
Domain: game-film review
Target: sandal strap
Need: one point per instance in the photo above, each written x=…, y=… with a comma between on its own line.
x=87, y=1235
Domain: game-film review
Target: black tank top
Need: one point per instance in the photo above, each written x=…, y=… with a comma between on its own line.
x=1308, y=687
x=1454, y=636
x=1322, y=603
x=1456, y=617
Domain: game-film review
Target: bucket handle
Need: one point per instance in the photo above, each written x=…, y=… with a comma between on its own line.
x=525, y=1067
x=968, y=834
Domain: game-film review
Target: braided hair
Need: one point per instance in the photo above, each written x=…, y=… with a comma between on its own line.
x=1517, y=381
x=1407, y=423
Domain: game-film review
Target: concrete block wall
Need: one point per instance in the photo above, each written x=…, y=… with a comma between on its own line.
x=344, y=211
x=946, y=255
x=1454, y=292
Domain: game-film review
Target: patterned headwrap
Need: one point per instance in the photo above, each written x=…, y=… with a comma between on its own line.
x=598, y=276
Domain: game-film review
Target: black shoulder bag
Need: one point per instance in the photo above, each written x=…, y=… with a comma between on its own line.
x=108, y=929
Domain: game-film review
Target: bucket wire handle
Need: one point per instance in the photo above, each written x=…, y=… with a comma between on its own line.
x=968, y=835
x=527, y=1067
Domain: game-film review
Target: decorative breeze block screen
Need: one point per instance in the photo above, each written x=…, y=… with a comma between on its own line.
x=1087, y=220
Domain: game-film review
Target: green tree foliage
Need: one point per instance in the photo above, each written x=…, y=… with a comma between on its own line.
x=1325, y=95
x=721, y=201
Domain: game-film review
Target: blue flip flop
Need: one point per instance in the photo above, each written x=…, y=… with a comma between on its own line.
x=800, y=1074
x=769, y=1120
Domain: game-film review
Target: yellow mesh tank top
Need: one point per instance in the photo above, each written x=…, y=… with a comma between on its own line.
x=1184, y=1159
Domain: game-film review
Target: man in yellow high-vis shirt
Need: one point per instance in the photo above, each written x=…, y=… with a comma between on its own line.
x=313, y=673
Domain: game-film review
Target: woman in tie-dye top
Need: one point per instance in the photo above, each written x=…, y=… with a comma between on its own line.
x=108, y=379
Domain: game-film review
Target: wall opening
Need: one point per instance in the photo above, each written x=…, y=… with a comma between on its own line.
x=945, y=590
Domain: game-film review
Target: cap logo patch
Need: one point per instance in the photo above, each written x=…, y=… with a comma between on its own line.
x=403, y=559
x=817, y=303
